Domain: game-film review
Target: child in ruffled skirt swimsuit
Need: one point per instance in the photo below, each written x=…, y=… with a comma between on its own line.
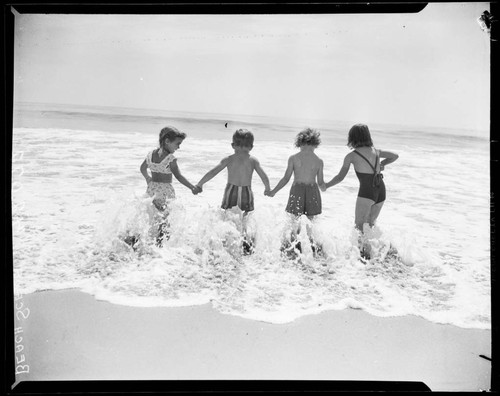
x=162, y=164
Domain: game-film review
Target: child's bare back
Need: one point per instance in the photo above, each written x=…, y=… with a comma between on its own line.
x=307, y=170
x=240, y=167
x=306, y=166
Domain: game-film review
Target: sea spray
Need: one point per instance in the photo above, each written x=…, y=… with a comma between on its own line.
x=203, y=261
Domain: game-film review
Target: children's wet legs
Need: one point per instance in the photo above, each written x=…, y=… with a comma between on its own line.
x=289, y=240
x=364, y=247
x=132, y=240
x=362, y=212
x=162, y=228
x=247, y=241
x=374, y=212
x=294, y=229
x=315, y=247
x=362, y=217
x=163, y=233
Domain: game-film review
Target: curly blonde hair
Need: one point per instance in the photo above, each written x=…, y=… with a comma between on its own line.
x=308, y=137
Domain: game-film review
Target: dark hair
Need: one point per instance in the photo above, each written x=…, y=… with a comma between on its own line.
x=170, y=133
x=359, y=136
x=243, y=138
x=308, y=137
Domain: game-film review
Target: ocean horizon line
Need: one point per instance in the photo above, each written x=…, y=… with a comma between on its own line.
x=286, y=120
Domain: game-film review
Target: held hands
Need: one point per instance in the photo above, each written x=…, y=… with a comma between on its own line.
x=196, y=189
x=269, y=193
x=323, y=187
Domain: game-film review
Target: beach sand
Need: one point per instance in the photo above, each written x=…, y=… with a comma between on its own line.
x=69, y=335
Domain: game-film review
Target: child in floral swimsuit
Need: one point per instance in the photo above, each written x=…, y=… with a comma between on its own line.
x=162, y=164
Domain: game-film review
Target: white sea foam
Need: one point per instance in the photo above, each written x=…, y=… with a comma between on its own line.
x=77, y=193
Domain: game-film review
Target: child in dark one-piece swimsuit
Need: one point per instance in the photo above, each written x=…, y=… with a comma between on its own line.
x=368, y=187
x=368, y=167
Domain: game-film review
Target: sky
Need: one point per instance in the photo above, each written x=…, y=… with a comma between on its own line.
x=424, y=69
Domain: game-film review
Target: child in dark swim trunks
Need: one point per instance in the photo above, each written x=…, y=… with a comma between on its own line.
x=307, y=168
x=240, y=167
x=367, y=165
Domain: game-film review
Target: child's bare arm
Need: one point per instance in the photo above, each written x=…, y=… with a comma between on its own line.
x=321, y=181
x=342, y=173
x=177, y=173
x=389, y=156
x=262, y=175
x=282, y=183
x=213, y=172
x=144, y=171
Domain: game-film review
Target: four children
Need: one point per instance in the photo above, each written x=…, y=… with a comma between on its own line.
x=305, y=166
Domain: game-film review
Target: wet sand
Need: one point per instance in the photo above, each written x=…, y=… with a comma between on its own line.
x=69, y=335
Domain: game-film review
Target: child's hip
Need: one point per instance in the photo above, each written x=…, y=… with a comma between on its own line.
x=161, y=190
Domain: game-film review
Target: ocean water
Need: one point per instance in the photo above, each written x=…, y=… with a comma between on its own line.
x=77, y=191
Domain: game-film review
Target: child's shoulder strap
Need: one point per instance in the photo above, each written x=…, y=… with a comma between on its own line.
x=170, y=157
x=366, y=159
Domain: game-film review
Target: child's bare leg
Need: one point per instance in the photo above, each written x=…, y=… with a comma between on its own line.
x=247, y=241
x=374, y=212
x=162, y=222
x=244, y=220
x=362, y=216
x=362, y=212
x=293, y=226
x=309, y=227
x=244, y=225
x=316, y=248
